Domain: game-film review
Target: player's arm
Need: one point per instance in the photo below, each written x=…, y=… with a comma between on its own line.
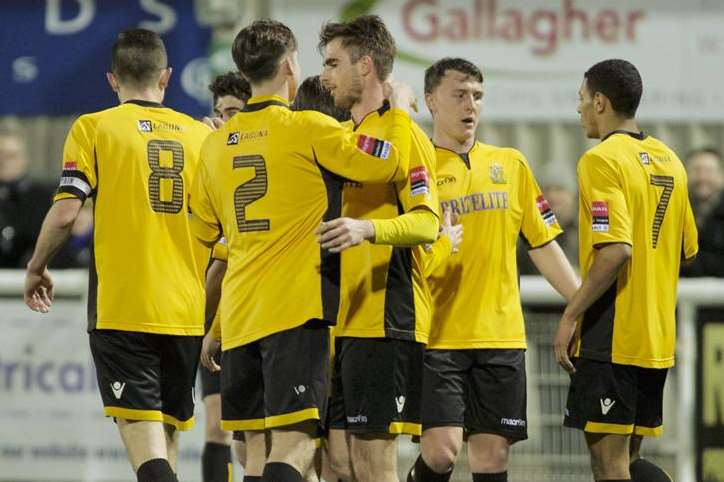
x=78, y=180
x=607, y=263
x=54, y=232
x=552, y=263
x=363, y=158
x=448, y=243
x=690, y=248
x=611, y=235
x=211, y=343
x=204, y=223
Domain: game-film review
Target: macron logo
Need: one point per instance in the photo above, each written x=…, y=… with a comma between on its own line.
x=117, y=388
x=400, y=401
x=606, y=405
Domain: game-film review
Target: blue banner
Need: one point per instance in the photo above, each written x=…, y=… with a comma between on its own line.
x=54, y=53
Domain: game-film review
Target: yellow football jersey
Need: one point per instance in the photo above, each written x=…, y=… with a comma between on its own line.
x=633, y=190
x=136, y=161
x=267, y=179
x=383, y=290
x=475, y=291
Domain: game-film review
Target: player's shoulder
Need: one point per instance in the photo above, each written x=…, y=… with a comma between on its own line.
x=500, y=154
x=312, y=118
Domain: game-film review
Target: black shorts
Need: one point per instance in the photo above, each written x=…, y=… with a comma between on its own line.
x=210, y=381
x=481, y=390
x=278, y=381
x=376, y=386
x=146, y=376
x=610, y=398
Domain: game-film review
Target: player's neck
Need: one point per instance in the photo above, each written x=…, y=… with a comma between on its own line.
x=446, y=141
x=149, y=95
x=372, y=98
x=607, y=126
x=268, y=89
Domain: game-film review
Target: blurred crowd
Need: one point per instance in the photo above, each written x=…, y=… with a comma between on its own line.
x=24, y=200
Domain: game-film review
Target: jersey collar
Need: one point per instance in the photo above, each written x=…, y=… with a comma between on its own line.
x=144, y=103
x=262, y=101
x=636, y=135
x=380, y=112
x=465, y=156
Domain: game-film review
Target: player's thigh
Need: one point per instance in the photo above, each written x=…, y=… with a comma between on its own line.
x=143, y=440
x=440, y=447
x=609, y=455
x=242, y=389
x=179, y=364
x=128, y=369
x=650, y=402
x=496, y=400
x=295, y=366
x=602, y=398
x=444, y=388
x=382, y=384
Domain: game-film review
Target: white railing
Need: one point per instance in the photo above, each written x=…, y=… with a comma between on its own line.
x=692, y=294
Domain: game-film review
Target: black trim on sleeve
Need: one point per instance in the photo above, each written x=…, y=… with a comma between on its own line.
x=73, y=191
x=542, y=245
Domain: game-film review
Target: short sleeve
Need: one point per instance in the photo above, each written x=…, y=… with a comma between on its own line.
x=204, y=222
x=419, y=189
x=691, y=235
x=359, y=157
x=221, y=250
x=603, y=198
x=78, y=178
x=539, y=225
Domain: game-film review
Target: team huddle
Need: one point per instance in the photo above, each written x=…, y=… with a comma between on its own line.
x=359, y=278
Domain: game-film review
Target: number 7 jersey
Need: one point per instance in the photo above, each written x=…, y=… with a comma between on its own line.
x=633, y=190
x=136, y=162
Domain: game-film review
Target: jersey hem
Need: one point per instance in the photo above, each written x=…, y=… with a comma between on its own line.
x=642, y=362
x=235, y=342
x=179, y=330
x=414, y=336
x=476, y=344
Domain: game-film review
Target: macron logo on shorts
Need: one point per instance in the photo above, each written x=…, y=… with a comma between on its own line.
x=400, y=401
x=606, y=405
x=117, y=388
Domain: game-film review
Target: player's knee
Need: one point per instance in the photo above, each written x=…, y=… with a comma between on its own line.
x=339, y=462
x=441, y=451
x=609, y=465
x=488, y=453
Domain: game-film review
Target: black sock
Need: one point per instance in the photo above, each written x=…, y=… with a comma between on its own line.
x=156, y=470
x=215, y=461
x=280, y=472
x=496, y=477
x=644, y=471
x=420, y=472
x=252, y=478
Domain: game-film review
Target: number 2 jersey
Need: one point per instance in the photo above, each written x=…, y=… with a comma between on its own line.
x=633, y=190
x=266, y=181
x=136, y=162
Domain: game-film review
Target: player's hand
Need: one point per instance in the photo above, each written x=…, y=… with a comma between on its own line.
x=564, y=343
x=209, y=350
x=342, y=233
x=214, y=122
x=451, y=229
x=400, y=95
x=38, y=290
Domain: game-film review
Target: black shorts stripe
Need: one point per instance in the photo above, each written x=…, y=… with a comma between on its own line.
x=331, y=262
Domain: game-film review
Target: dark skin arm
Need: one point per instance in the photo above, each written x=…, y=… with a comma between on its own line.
x=607, y=264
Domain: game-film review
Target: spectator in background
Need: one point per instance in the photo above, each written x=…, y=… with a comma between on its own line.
x=564, y=204
x=706, y=183
x=23, y=201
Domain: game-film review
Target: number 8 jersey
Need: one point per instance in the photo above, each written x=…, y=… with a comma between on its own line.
x=136, y=162
x=633, y=190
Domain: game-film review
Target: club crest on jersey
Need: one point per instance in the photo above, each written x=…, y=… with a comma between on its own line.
x=645, y=160
x=599, y=216
x=497, y=175
x=233, y=139
x=145, y=126
x=545, y=210
x=419, y=181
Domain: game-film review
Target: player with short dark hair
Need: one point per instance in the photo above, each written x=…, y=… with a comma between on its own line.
x=636, y=225
x=230, y=92
x=384, y=316
x=145, y=302
x=474, y=368
x=277, y=166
